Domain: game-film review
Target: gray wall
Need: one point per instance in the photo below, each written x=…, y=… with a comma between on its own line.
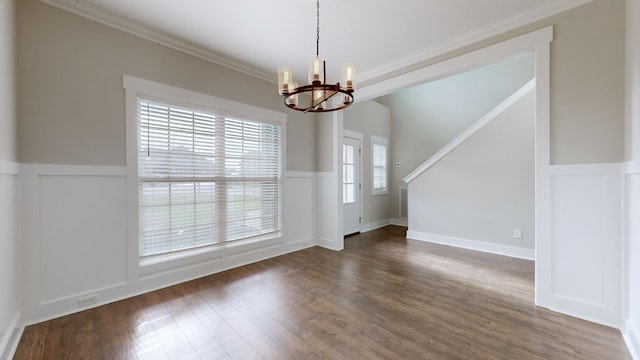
x=484, y=188
x=587, y=81
x=370, y=118
x=8, y=149
x=70, y=97
x=587, y=84
x=427, y=117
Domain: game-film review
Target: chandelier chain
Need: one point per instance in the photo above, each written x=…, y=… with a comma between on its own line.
x=317, y=28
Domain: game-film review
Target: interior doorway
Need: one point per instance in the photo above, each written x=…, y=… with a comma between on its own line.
x=537, y=42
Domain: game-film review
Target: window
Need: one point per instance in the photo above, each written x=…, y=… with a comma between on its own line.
x=204, y=175
x=379, y=165
x=348, y=174
x=204, y=178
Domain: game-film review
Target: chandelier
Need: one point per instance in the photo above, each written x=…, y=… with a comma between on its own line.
x=318, y=90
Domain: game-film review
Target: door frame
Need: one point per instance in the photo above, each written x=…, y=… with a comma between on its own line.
x=360, y=137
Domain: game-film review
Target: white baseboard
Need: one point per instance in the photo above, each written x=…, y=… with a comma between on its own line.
x=10, y=340
x=69, y=305
x=632, y=338
x=400, y=222
x=499, y=249
x=375, y=225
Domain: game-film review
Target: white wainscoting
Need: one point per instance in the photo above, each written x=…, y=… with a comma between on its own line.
x=74, y=230
x=579, y=265
x=631, y=336
x=493, y=248
x=631, y=330
x=10, y=311
x=329, y=229
x=300, y=207
x=83, y=215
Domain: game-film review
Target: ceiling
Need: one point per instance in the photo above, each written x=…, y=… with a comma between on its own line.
x=258, y=36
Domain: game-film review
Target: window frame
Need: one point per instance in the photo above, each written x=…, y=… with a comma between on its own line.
x=379, y=141
x=136, y=88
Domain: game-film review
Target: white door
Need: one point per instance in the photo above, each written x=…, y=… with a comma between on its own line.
x=351, y=187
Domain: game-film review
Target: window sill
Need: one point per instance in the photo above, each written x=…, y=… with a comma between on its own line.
x=214, y=252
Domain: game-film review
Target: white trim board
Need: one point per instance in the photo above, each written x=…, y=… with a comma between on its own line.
x=374, y=225
x=632, y=339
x=518, y=45
x=11, y=338
x=400, y=222
x=9, y=167
x=499, y=109
x=632, y=167
x=492, y=248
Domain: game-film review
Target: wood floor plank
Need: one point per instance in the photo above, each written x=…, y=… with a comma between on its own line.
x=382, y=297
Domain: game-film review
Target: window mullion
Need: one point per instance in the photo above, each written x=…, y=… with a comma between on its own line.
x=220, y=186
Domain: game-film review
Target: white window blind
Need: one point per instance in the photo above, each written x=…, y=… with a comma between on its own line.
x=204, y=179
x=379, y=165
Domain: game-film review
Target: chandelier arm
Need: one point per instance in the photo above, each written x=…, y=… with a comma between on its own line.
x=320, y=101
x=333, y=89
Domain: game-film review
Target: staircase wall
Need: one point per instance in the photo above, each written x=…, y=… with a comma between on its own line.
x=482, y=190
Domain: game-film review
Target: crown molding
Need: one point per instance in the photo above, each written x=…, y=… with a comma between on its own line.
x=110, y=19
x=105, y=17
x=475, y=36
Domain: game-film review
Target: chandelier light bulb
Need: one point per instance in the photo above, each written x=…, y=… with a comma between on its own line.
x=316, y=70
x=285, y=77
x=349, y=76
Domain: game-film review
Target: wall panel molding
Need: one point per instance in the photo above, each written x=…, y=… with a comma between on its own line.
x=9, y=167
x=580, y=261
x=50, y=288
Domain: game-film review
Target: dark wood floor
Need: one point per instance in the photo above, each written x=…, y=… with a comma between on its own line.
x=383, y=297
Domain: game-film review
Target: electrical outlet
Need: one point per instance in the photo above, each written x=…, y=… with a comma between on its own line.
x=87, y=300
x=517, y=233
